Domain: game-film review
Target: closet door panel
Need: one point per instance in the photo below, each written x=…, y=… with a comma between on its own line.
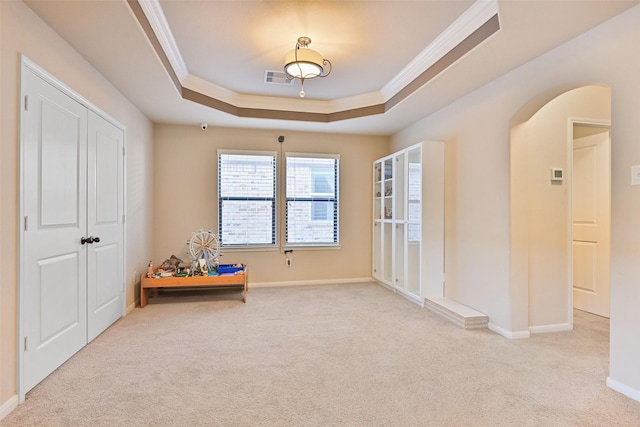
x=105, y=199
x=53, y=296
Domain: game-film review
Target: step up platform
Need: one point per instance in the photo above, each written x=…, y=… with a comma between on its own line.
x=457, y=313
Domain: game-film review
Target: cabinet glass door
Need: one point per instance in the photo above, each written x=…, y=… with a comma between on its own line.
x=377, y=249
x=388, y=188
x=378, y=215
x=399, y=185
x=414, y=191
x=400, y=259
x=413, y=268
x=387, y=255
x=377, y=191
x=414, y=215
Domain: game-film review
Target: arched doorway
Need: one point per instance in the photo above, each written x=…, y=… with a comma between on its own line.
x=542, y=220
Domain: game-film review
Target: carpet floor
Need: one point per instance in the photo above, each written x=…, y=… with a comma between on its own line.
x=335, y=355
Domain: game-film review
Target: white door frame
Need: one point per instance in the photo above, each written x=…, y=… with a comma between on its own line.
x=571, y=122
x=27, y=65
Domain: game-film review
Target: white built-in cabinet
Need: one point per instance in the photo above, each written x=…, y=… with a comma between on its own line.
x=408, y=221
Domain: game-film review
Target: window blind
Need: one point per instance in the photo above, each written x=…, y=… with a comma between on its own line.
x=312, y=199
x=246, y=199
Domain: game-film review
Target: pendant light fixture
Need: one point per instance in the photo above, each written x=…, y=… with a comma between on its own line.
x=305, y=63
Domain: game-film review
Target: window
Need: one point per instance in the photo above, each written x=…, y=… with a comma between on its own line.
x=312, y=199
x=246, y=198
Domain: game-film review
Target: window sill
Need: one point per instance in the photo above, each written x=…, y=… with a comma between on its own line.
x=311, y=247
x=249, y=249
x=280, y=249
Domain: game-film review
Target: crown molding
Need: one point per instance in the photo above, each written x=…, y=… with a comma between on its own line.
x=471, y=20
x=153, y=11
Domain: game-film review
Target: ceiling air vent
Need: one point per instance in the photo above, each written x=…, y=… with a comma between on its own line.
x=277, y=78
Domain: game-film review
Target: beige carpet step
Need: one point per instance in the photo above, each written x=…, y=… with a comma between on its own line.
x=457, y=313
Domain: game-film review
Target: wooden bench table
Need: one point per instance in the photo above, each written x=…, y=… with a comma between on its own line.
x=222, y=280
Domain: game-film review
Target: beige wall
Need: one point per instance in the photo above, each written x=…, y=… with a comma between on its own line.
x=476, y=130
x=21, y=31
x=186, y=198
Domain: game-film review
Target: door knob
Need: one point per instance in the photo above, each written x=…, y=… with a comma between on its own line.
x=96, y=240
x=89, y=240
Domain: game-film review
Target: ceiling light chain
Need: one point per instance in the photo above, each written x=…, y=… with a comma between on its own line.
x=305, y=63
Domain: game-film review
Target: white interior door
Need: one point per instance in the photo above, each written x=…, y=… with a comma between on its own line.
x=53, y=306
x=105, y=200
x=591, y=218
x=72, y=239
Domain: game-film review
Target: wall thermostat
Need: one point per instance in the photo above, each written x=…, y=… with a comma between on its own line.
x=557, y=174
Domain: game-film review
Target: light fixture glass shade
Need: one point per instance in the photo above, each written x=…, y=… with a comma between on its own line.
x=309, y=63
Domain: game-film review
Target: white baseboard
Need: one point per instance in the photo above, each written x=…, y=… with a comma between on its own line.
x=630, y=392
x=550, y=328
x=508, y=334
x=8, y=406
x=532, y=330
x=309, y=282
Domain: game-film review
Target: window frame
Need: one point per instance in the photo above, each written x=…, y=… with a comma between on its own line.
x=335, y=198
x=274, y=210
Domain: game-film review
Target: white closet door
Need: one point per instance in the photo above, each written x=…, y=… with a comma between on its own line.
x=53, y=309
x=105, y=200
